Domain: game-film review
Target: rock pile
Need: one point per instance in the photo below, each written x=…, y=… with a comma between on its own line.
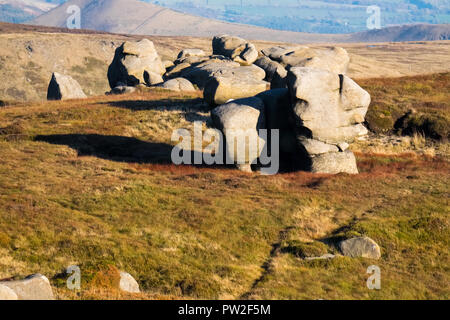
x=235, y=48
x=303, y=92
x=230, y=73
x=317, y=109
x=328, y=111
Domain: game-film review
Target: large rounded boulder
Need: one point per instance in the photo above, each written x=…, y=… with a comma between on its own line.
x=133, y=63
x=238, y=49
x=240, y=121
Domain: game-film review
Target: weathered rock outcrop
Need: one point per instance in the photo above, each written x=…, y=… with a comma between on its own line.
x=34, y=287
x=63, y=87
x=334, y=59
x=328, y=111
x=238, y=49
x=240, y=120
x=132, y=63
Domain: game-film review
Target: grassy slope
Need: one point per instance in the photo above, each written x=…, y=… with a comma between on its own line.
x=427, y=95
x=89, y=182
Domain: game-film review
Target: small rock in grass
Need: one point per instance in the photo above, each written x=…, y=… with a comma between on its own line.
x=128, y=283
x=360, y=247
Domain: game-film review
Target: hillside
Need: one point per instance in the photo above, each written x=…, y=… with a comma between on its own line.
x=137, y=17
x=325, y=16
x=23, y=10
x=30, y=54
x=420, y=32
x=90, y=182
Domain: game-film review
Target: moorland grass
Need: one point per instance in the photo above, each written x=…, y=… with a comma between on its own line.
x=89, y=182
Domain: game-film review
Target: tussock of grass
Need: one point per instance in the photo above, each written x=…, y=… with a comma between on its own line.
x=392, y=98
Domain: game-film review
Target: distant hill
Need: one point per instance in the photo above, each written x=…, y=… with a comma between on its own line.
x=137, y=17
x=419, y=32
x=22, y=10
x=140, y=18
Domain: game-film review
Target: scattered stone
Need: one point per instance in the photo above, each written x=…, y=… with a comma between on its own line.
x=177, y=84
x=192, y=60
x=132, y=60
x=34, y=287
x=248, y=55
x=343, y=146
x=275, y=53
x=63, y=87
x=200, y=74
x=128, y=283
x=7, y=293
x=360, y=247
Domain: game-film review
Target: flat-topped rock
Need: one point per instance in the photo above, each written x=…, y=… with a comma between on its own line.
x=221, y=89
x=127, y=283
x=335, y=59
